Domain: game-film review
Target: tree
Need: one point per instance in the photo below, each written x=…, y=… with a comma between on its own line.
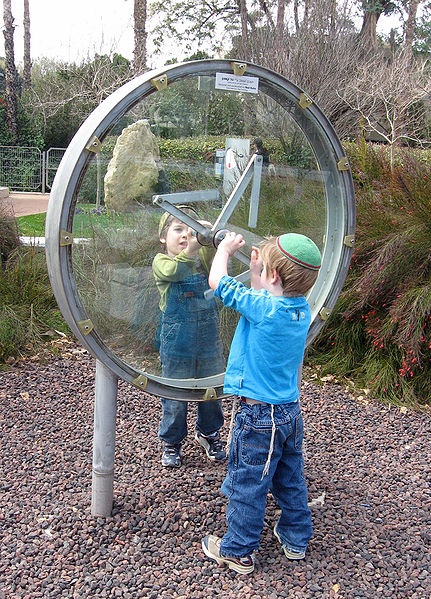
x=63, y=95
x=244, y=34
x=140, y=24
x=388, y=97
x=27, y=61
x=412, y=9
x=194, y=22
x=422, y=41
x=372, y=11
x=318, y=51
x=10, y=73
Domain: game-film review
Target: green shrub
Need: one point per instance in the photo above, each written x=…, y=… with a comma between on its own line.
x=380, y=331
x=9, y=238
x=29, y=127
x=28, y=310
x=290, y=151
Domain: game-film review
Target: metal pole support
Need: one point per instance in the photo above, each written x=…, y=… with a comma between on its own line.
x=299, y=379
x=105, y=412
x=44, y=172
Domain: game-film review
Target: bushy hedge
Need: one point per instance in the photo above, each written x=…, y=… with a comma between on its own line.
x=291, y=152
x=379, y=334
x=9, y=238
x=189, y=150
x=28, y=310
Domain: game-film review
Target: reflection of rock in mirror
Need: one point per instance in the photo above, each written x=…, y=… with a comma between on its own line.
x=133, y=171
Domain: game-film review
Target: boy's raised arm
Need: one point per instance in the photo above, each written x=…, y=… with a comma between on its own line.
x=228, y=246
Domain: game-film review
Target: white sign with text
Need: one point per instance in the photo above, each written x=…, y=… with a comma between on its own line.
x=237, y=83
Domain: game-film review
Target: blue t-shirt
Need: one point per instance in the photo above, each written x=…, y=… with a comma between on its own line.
x=268, y=345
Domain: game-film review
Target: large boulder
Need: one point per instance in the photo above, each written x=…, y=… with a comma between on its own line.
x=132, y=172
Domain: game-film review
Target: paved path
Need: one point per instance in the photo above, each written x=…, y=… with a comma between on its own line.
x=23, y=204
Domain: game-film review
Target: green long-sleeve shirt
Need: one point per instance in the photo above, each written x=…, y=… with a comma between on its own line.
x=166, y=270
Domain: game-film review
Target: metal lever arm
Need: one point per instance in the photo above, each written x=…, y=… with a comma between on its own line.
x=196, y=226
x=255, y=163
x=183, y=217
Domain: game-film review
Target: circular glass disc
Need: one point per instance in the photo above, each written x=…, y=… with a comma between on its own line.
x=193, y=146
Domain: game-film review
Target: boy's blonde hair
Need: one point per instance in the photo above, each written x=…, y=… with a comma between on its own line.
x=295, y=279
x=167, y=219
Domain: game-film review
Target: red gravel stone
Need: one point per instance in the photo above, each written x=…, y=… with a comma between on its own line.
x=367, y=467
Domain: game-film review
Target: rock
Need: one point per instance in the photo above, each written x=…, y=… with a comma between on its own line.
x=132, y=172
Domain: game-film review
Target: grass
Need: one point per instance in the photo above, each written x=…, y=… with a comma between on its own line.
x=86, y=218
x=28, y=310
x=33, y=225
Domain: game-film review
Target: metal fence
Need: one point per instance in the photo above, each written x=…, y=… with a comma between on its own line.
x=28, y=168
x=52, y=162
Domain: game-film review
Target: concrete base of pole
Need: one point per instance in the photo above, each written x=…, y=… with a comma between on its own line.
x=102, y=494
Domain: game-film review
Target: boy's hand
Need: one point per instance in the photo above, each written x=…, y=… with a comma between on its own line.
x=206, y=223
x=231, y=243
x=256, y=265
x=227, y=247
x=193, y=245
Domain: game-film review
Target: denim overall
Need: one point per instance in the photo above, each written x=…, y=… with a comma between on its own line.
x=190, y=347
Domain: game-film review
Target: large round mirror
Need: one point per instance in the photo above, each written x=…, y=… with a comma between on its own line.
x=218, y=146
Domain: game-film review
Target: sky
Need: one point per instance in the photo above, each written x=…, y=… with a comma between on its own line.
x=73, y=30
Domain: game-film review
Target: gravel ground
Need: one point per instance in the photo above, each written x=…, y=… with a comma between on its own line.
x=368, y=472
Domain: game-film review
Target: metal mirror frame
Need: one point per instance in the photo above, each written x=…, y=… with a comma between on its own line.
x=340, y=227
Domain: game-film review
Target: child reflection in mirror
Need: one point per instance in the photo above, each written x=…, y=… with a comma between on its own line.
x=190, y=343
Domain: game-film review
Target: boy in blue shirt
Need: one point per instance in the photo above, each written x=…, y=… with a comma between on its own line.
x=262, y=370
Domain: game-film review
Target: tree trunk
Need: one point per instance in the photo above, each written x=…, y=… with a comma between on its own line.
x=244, y=36
x=279, y=28
x=412, y=10
x=307, y=9
x=368, y=33
x=332, y=15
x=10, y=72
x=27, y=59
x=296, y=15
x=392, y=42
x=373, y=9
x=140, y=26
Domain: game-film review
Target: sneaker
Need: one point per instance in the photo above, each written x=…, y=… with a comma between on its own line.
x=289, y=553
x=213, y=446
x=171, y=457
x=211, y=547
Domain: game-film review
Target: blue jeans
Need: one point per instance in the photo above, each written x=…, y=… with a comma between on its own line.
x=173, y=424
x=246, y=489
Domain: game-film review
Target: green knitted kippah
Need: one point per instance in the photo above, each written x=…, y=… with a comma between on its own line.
x=300, y=249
